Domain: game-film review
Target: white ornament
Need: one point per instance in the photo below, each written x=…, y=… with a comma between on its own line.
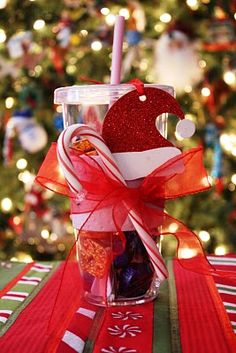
x=176, y=62
x=185, y=128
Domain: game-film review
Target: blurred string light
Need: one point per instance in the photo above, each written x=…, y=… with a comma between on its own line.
x=39, y=24
x=53, y=236
x=207, y=180
x=193, y=4
x=159, y=27
x=173, y=227
x=26, y=177
x=3, y=36
x=231, y=187
x=228, y=143
x=186, y=253
x=204, y=235
x=71, y=69
x=165, y=17
x=205, y=91
x=3, y=4
x=188, y=89
x=233, y=179
x=45, y=234
x=202, y=64
x=110, y=19
x=229, y=78
x=83, y=32
x=21, y=163
x=96, y=45
x=9, y=102
x=105, y=11
x=16, y=220
x=220, y=250
x=22, y=257
x=125, y=13
x=6, y=204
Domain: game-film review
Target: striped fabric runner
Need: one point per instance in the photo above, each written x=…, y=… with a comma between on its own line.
x=122, y=329
x=226, y=287
x=78, y=330
x=13, y=300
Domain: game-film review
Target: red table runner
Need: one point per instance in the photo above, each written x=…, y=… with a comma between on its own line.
x=193, y=313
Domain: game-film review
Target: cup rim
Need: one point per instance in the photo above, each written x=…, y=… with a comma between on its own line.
x=78, y=93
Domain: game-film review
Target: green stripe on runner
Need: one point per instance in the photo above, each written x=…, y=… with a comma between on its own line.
x=98, y=320
x=173, y=305
x=166, y=318
x=8, y=271
x=161, y=324
x=226, y=289
x=17, y=306
x=229, y=307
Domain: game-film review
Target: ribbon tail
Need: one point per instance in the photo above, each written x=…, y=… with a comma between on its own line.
x=190, y=253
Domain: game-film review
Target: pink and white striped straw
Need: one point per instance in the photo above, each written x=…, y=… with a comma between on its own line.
x=63, y=151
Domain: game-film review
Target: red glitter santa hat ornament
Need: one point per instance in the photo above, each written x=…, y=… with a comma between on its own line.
x=130, y=131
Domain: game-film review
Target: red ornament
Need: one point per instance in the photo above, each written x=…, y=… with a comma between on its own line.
x=130, y=124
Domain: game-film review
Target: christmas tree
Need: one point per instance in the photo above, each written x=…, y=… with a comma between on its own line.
x=45, y=45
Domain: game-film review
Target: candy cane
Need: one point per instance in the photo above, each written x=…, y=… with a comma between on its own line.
x=69, y=172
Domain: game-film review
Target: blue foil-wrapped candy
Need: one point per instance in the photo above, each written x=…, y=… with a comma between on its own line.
x=135, y=280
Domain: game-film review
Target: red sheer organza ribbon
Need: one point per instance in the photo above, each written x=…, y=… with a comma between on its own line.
x=180, y=176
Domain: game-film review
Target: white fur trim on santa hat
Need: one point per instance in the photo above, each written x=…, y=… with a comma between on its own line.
x=134, y=165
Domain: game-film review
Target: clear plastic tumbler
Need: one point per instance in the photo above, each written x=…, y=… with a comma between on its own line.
x=115, y=271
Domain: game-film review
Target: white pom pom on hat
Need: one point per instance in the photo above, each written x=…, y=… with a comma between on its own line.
x=185, y=128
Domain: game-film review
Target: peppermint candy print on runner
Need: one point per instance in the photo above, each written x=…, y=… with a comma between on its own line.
x=63, y=152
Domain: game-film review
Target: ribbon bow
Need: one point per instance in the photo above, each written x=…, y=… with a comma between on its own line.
x=100, y=186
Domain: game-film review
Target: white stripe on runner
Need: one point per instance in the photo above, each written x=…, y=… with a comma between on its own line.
x=222, y=258
x=75, y=342
x=19, y=299
x=25, y=294
x=3, y=319
x=37, y=269
x=230, y=304
x=223, y=263
x=42, y=266
x=3, y=311
x=226, y=286
x=39, y=279
x=86, y=312
x=225, y=291
x=231, y=311
x=32, y=283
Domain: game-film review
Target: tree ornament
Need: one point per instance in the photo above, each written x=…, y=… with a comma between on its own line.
x=72, y=4
x=63, y=30
x=18, y=43
x=8, y=68
x=31, y=135
x=176, y=62
x=220, y=35
x=135, y=26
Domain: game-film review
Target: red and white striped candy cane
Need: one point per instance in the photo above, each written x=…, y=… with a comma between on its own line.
x=69, y=172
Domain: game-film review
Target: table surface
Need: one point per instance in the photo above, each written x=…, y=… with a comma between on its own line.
x=192, y=314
